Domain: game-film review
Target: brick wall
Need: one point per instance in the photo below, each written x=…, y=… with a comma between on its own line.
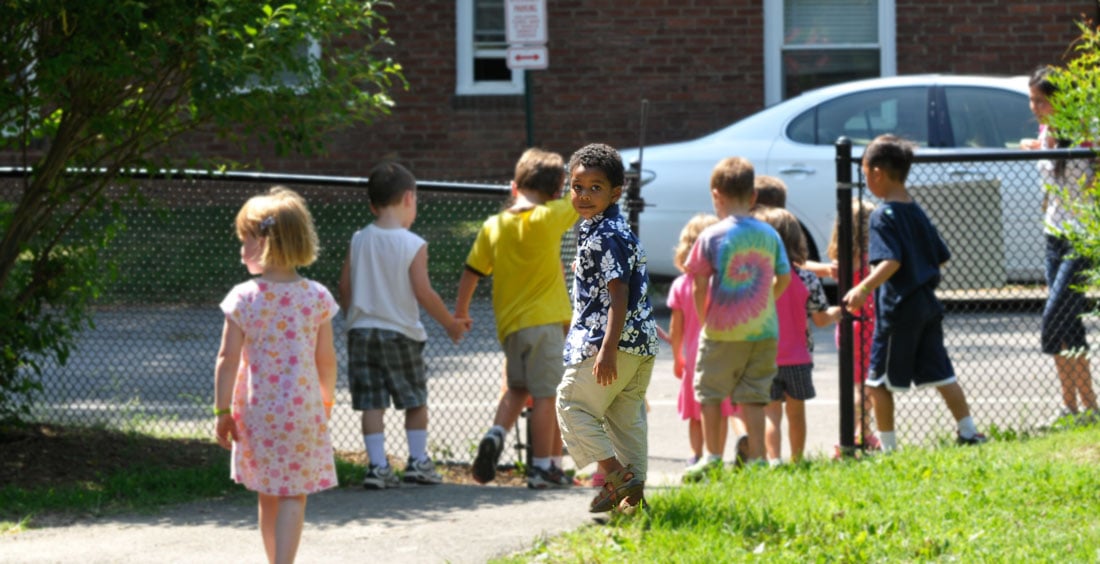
x=985, y=36
x=700, y=65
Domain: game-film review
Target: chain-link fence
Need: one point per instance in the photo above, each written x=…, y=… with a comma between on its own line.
x=988, y=208
x=148, y=363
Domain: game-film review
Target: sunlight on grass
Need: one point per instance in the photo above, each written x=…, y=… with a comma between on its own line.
x=1036, y=499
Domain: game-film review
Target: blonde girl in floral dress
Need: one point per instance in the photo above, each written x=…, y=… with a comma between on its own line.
x=276, y=371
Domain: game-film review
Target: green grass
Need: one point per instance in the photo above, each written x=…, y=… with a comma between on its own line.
x=1029, y=500
x=140, y=488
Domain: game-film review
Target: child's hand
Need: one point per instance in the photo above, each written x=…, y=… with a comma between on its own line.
x=855, y=298
x=678, y=367
x=328, y=411
x=834, y=313
x=458, y=327
x=664, y=336
x=226, y=430
x=605, y=369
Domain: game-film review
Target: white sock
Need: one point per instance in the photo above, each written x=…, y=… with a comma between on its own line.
x=542, y=463
x=773, y=462
x=376, y=448
x=556, y=461
x=967, y=428
x=714, y=457
x=418, y=443
x=889, y=440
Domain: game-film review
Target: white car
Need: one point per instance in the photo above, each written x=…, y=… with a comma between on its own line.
x=795, y=141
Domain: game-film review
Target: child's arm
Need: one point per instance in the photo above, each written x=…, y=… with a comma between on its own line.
x=345, y=284
x=699, y=287
x=427, y=297
x=780, y=285
x=325, y=358
x=606, y=368
x=225, y=376
x=826, y=316
x=467, y=284
x=820, y=269
x=676, y=340
x=882, y=272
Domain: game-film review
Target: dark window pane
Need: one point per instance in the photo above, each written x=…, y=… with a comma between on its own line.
x=808, y=69
x=491, y=68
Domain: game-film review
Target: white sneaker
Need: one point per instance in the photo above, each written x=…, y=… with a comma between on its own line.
x=380, y=478
x=422, y=472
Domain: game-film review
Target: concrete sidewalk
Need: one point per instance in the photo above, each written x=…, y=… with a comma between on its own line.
x=447, y=523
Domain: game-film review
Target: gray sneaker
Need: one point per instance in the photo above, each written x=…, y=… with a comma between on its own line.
x=539, y=479
x=422, y=472
x=380, y=478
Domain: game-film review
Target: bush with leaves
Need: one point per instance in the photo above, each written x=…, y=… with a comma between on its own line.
x=112, y=86
x=1076, y=118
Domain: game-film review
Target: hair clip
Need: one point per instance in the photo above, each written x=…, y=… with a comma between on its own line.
x=266, y=224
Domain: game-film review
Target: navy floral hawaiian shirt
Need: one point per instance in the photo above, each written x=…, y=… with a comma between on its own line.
x=608, y=250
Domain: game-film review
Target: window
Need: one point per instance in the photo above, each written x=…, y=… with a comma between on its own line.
x=307, y=57
x=862, y=117
x=481, y=66
x=988, y=118
x=809, y=43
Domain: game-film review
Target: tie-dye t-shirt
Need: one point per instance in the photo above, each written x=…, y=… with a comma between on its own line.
x=742, y=256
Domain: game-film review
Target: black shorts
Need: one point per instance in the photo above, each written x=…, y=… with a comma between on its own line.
x=910, y=353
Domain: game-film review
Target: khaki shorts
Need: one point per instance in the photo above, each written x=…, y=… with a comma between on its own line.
x=740, y=370
x=533, y=359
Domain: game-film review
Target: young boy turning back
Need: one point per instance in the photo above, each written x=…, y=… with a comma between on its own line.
x=740, y=266
x=612, y=339
x=905, y=253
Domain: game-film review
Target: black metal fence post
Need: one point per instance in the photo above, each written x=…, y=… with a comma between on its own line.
x=844, y=283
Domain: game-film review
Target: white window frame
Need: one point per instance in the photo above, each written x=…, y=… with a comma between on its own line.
x=465, y=85
x=773, y=46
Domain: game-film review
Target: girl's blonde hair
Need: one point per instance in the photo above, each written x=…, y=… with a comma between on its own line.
x=790, y=231
x=861, y=231
x=689, y=234
x=281, y=219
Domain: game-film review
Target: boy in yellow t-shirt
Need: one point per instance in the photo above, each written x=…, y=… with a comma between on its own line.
x=521, y=248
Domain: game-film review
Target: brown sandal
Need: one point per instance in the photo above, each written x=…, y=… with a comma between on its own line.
x=617, y=486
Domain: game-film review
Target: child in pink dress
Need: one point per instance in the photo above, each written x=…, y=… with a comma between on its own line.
x=804, y=300
x=276, y=370
x=683, y=335
x=863, y=328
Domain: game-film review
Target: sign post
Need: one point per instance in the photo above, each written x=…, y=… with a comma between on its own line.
x=525, y=32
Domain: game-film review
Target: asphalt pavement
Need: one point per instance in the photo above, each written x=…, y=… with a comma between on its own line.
x=415, y=524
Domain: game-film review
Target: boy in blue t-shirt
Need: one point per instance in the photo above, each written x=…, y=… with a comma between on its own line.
x=905, y=252
x=612, y=340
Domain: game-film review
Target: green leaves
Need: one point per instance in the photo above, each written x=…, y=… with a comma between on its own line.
x=113, y=84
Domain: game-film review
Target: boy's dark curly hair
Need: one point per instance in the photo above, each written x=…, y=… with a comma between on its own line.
x=600, y=157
